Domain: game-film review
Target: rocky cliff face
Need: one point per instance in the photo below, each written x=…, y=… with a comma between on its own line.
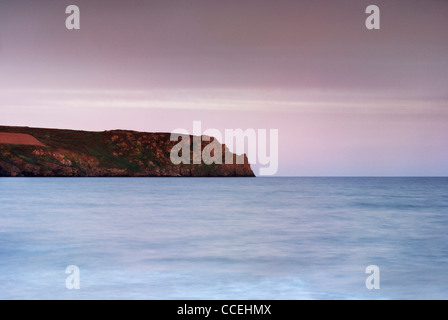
x=118, y=153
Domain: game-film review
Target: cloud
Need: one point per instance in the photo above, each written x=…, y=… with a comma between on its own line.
x=260, y=100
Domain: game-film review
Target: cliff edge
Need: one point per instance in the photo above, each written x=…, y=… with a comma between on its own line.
x=35, y=152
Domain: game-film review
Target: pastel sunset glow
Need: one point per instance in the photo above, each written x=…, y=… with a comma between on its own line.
x=347, y=101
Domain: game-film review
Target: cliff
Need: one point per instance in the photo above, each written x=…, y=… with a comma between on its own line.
x=34, y=152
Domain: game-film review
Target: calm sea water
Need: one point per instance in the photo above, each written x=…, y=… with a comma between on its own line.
x=188, y=238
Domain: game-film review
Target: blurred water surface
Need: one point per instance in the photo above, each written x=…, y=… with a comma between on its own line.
x=224, y=238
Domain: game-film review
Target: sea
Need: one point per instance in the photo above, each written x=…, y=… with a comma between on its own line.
x=224, y=238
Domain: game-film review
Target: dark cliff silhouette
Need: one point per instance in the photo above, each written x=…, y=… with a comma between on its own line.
x=36, y=152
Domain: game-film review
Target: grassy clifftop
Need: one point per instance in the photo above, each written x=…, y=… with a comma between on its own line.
x=117, y=153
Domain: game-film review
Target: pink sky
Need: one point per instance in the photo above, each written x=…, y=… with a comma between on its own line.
x=346, y=100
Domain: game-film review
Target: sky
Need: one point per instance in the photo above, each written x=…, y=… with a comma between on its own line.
x=347, y=101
